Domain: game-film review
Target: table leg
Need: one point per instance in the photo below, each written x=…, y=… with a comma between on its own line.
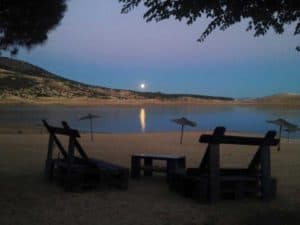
x=171, y=168
x=135, y=167
x=148, y=167
x=181, y=164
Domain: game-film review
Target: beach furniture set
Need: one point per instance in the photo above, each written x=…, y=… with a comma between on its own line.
x=209, y=182
x=78, y=172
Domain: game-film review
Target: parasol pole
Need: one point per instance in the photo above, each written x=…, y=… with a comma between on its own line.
x=91, y=128
x=90, y=118
x=280, y=129
x=181, y=137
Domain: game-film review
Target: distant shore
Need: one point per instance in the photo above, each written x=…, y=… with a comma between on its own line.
x=86, y=102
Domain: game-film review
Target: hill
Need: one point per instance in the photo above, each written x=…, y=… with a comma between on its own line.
x=21, y=80
x=280, y=99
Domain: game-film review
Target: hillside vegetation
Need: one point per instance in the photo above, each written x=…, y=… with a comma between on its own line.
x=18, y=84
x=282, y=98
x=27, y=81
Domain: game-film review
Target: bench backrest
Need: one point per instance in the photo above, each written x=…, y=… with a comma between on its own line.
x=260, y=164
x=73, y=143
x=218, y=137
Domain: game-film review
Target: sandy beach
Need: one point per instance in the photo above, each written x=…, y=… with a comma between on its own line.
x=26, y=198
x=139, y=75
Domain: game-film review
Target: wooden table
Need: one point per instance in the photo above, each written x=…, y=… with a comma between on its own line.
x=173, y=163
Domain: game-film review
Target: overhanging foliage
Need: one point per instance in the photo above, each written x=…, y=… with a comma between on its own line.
x=261, y=14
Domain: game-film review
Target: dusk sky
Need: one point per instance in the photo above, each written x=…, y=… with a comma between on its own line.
x=98, y=45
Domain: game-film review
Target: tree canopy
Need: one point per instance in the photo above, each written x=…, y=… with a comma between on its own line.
x=26, y=23
x=262, y=15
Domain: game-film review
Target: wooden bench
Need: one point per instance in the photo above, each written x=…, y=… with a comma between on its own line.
x=79, y=172
x=173, y=164
x=210, y=182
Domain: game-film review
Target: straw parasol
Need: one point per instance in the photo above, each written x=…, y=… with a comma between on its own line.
x=291, y=130
x=184, y=122
x=90, y=117
x=282, y=123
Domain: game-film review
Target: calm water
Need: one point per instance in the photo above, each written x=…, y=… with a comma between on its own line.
x=123, y=119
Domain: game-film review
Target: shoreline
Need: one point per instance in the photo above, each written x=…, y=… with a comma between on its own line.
x=90, y=102
x=40, y=130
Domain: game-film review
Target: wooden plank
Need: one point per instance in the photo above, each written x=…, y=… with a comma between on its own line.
x=57, y=142
x=240, y=172
x=214, y=166
x=69, y=178
x=218, y=132
x=238, y=178
x=238, y=140
x=204, y=161
x=61, y=131
x=135, y=166
x=48, y=165
x=174, y=165
x=181, y=164
x=103, y=164
x=214, y=173
x=50, y=146
x=154, y=168
x=255, y=162
x=55, y=139
x=80, y=150
x=147, y=164
x=77, y=144
x=158, y=157
x=266, y=172
x=71, y=149
x=60, y=147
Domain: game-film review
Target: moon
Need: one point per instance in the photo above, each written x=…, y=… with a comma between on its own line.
x=142, y=86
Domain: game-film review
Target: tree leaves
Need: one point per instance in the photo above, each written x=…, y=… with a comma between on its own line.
x=263, y=15
x=27, y=23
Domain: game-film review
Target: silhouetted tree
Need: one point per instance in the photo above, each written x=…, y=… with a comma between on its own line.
x=25, y=23
x=260, y=14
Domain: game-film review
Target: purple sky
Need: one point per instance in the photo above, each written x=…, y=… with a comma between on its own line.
x=96, y=44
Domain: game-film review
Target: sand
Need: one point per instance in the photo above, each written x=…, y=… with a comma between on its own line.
x=26, y=198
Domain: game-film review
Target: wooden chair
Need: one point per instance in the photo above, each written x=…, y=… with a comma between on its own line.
x=210, y=182
x=78, y=172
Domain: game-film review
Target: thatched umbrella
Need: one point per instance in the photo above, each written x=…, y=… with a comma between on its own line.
x=291, y=130
x=183, y=122
x=90, y=117
x=282, y=123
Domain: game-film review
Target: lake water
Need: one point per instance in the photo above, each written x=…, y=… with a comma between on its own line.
x=153, y=118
